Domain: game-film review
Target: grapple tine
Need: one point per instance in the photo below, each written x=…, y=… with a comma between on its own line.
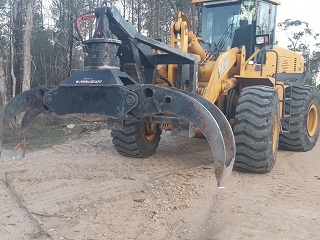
x=17, y=153
x=223, y=123
x=30, y=102
x=226, y=131
x=200, y=112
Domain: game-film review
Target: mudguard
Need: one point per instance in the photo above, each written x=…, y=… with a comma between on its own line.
x=118, y=102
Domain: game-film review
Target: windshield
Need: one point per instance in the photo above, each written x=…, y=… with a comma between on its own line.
x=221, y=24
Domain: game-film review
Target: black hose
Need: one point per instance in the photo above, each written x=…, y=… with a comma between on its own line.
x=164, y=79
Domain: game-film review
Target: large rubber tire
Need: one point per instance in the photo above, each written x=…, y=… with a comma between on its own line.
x=304, y=121
x=256, y=129
x=133, y=140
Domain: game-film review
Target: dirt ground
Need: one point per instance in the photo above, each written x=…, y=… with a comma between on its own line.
x=84, y=190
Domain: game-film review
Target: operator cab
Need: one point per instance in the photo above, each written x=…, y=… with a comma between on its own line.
x=238, y=22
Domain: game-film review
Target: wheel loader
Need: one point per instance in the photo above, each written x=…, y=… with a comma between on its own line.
x=232, y=85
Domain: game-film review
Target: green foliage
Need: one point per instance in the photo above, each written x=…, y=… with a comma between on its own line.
x=45, y=54
x=301, y=38
x=55, y=55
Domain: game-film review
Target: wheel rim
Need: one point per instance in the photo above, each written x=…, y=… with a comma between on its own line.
x=275, y=132
x=150, y=131
x=313, y=120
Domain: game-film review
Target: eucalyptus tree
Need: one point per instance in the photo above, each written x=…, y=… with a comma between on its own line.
x=304, y=40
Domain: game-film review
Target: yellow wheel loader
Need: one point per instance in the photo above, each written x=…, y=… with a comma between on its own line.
x=232, y=86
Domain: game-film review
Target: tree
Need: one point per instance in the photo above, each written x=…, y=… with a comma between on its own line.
x=3, y=83
x=36, y=48
x=16, y=47
x=27, y=46
x=301, y=36
x=3, y=57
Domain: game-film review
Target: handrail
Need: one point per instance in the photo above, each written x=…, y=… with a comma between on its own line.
x=277, y=58
x=250, y=58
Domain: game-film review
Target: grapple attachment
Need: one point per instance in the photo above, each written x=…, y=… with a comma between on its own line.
x=103, y=89
x=121, y=102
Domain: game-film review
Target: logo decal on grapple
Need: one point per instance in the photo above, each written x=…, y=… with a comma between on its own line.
x=88, y=81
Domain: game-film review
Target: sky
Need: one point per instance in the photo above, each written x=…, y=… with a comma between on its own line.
x=305, y=10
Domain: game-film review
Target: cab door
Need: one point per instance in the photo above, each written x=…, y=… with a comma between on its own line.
x=266, y=20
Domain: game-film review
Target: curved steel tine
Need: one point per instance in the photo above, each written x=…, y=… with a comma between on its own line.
x=155, y=99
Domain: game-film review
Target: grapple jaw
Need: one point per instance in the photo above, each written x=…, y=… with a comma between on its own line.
x=121, y=102
x=31, y=104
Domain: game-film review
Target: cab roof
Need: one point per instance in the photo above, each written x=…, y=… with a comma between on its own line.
x=275, y=2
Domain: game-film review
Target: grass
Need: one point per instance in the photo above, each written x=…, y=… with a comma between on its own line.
x=41, y=138
x=50, y=136
x=46, y=133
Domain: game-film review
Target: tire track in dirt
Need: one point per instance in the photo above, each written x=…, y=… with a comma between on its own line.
x=72, y=184
x=283, y=204
x=84, y=190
